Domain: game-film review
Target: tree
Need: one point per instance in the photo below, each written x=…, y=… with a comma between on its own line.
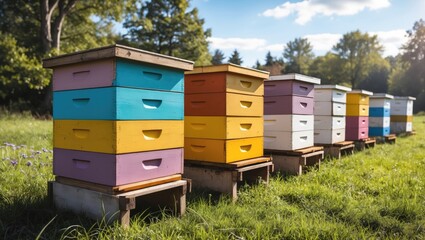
x=235, y=58
x=357, y=52
x=298, y=55
x=168, y=27
x=257, y=65
x=327, y=68
x=217, y=58
x=269, y=59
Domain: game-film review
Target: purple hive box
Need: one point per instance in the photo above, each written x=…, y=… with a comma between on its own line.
x=290, y=84
x=288, y=105
x=115, y=170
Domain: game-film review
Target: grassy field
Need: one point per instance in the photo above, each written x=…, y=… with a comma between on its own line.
x=374, y=194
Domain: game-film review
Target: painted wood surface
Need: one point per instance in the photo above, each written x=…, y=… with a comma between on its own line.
x=330, y=95
x=379, y=121
x=379, y=112
x=379, y=103
x=356, y=122
x=379, y=131
x=401, y=127
x=223, y=127
x=329, y=122
x=401, y=118
x=117, y=72
x=357, y=110
x=274, y=105
x=287, y=88
x=117, y=137
x=222, y=151
x=357, y=99
x=287, y=140
x=329, y=109
x=220, y=82
x=114, y=170
x=356, y=133
x=230, y=68
x=118, y=51
x=401, y=107
x=329, y=136
x=288, y=122
x=117, y=103
x=223, y=104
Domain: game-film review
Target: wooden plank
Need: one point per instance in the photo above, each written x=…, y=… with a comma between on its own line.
x=153, y=189
x=297, y=152
x=117, y=189
x=232, y=165
x=119, y=51
x=256, y=166
x=230, y=68
x=345, y=143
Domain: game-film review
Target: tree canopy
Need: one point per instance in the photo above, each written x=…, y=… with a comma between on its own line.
x=235, y=58
x=298, y=55
x=218, y=57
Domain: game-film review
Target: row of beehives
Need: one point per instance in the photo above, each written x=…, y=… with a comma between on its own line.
x=120, y=120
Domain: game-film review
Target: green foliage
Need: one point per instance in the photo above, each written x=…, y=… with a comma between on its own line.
x=235, y=58
x=169, y=27
x=269, y=59
x=374, y=194
x=298, y=55
x=358, y=52
x=22, y=77
x=327, y=68
x=218, y=57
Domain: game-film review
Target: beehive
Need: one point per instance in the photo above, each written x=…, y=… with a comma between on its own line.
x=118, y=115
x=379, y=114
x=402, y=114
x=357, y=115
x=329, y=113
x=288, y=109
x=223, y=113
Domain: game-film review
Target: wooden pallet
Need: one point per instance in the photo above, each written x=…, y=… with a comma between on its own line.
x=225, y=177
x=296, y=164
x=117, y=189
x=363, y=144
x=406, y=134
x=391, y=139
x=339, y=149
x=297, y=152
x=116, y=207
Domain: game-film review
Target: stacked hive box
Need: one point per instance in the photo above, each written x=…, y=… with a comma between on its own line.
x=379, y=114
x=402, y=114
x=357, y=115
x=118, y=115
x=329, y=113
x=288, y=112
x=224, y=113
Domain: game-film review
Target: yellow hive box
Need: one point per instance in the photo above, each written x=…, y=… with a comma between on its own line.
x=359, y=97
x=222, y=151
x=117, y=137
x=357, y=110
x=223, y=127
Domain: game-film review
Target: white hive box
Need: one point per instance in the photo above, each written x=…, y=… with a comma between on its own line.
x=287, y=140
x=288, y=122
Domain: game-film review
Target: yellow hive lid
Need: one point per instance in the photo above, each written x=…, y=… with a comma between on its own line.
x=118, y=51
x=229, y=67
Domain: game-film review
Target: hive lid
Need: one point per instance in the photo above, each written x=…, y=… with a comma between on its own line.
x=118, y=51
x=404, y=98
x=360, y=91
x=338, y=87
x=296, y=77
x=382, y=95
x=229, y=67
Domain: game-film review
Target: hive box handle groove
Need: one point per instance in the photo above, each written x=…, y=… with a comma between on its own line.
x=245, y=84
x=81, y=133
x=152, y=75
x=80, y=101
x=81, y=164
x=197, y=148
x=197, y=104
x=303, y=104
x=81, y=75
x=246, y=104
x=269, y=122
x=303, y=138
x=151, y=103
x=245, y=126
x=152, y=163
x=198, y=126
x=269, y=139
x=303, y=88
x=199, y=82
x=246, y=148
x=152, y=134
x=303, y=122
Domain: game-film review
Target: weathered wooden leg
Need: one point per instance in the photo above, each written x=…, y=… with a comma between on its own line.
x=287, y=164
x=125, y=205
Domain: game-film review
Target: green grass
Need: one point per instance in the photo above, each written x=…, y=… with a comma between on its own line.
x=374, y=194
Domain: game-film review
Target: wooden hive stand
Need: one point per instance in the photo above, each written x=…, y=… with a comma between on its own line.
x=363, y=144
x=337, y=150
x=225, y=177
x=115, y=203
x=297, y=161
x=391, y=139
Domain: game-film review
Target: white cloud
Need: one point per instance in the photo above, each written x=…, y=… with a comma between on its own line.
x=307, y=9
x=237, y=43
x=391, y=40
x=273, y=47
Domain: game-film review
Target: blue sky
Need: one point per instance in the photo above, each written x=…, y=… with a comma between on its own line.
x=257, y=26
